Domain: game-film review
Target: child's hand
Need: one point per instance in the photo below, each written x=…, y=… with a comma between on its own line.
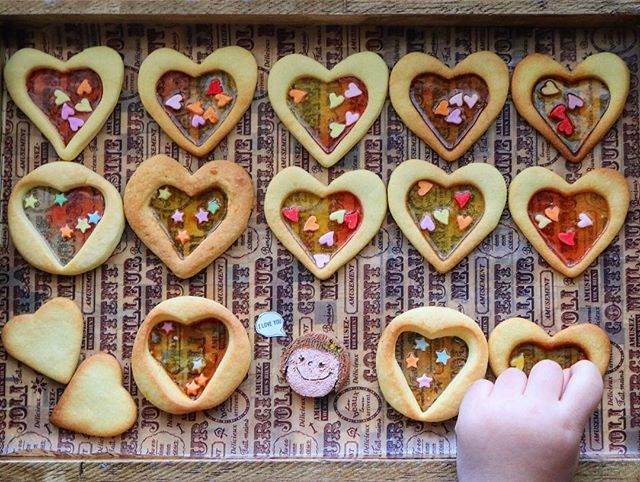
x=526, y=430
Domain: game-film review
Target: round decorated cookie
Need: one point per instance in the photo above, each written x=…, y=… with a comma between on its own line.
x=190, y=354
x=315, y=365
x=64, y=218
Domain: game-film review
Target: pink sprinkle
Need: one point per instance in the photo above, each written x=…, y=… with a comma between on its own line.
x=197, y=120
x=426, y=223
x=202, y=216
x=75, y=123
x=455, y=117
x=327, y=239
x=177, y=216
x=321, y=259
x=175, y=102
x=67, y=111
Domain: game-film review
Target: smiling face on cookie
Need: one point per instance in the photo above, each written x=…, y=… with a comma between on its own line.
x=312, y=373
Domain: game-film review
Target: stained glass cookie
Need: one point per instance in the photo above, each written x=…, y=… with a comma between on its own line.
x=64, y=218
x=445, y=216
x=68, y=101
x=190, y=354
x=325, y=226
x=449, y=108
x=520, y=343
x=328, y=111
x=197, y=104
x=314, y=365
x=427, y=359
x=569, y=224
x=188, y=220
x=572, y=109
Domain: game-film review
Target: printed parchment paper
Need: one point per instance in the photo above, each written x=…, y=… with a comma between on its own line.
x=502, y=278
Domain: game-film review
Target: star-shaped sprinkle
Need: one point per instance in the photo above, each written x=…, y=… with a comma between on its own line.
x=198, y=364
x=66, y=232
x=177, y=216
x=442, y=356
x=94, y=217
x=412, y=361
x=82, y=225
x=213, y=206
x=424, y=381
x=192, y=388
x=30, y=201
x=167, y=327
x=183, y=236
x=202, y=216
x=421, y=344
x=164, y=193
x=202, y=379
x=60, y=198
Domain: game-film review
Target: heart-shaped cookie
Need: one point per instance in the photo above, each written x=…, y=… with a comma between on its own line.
x=48, y=340
x=190, y=354
x=68, y=101
x=443, y=355
x=572, y=109
x=198, y=104
x=328, y=111
x=95, y=403
x=64, y=218
x=569, y=224
x=188, y=220
x=449, y=108
x=445, y=216
x=520, y=343
x=325, y=226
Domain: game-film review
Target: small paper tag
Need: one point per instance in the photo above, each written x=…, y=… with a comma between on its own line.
x=270, y=324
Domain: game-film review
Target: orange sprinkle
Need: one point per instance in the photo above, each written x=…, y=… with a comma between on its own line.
x=463, y=222
x=183, y=236
x=223, y=99
x=297, y=95
x=210, y=115
x=84, y=88
x=553, y=213
x=311, y=224
x=192, y=388
x=442, y=108
x=66, y=232
x=196, y=108
x=425, y=187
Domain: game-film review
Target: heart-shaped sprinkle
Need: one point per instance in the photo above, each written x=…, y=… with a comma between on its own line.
x=292, y=214
x=463, y=221
x=214, y=88
x=567, y=238
x=352, y=91
x=60, y=97
x=223, y=99
x=84, y=88
x=195, y=108
x=335, y=100
x=558, y=113
x=456, y=100
x=549, y=89
x=427, y=224
x=311, y=224
x=442, y=215
x=67, y=111
x=424, y=187
x=175, y=102
x=327, y=239
x=518, y=362
x=197, y=120
x=210, y=115
x=574, y=102
x=462, y=198
x=75, y=123
x=335, y=129
x=565, y=127
x=338, y=216
x=552, y=213
x=352, y=219
x=442, y=108
x=455, y=117
x=351, y=118
x=297, y=95
x=584, y=220
x=83, y=106
x=542, y=221
x=471, y=100
x=321, y=260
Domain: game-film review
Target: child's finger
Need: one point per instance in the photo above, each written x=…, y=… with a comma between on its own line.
x=545, y=380
x=477, y=393
x=584, y=390
x=510, y=382
x=566, y=376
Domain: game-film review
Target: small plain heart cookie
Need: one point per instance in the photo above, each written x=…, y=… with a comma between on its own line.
x=95, y=403
x=190, y=354
x=427, y=359
x=569, y=224
x=445, y=216
x=197, y=105
x=68, y=101
x=572, y=109
x=188, y=220
x=64, y=218
x=520, y=343
x=325, y=226
x=328, y=111
x=48, y=340
x=449, y=108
